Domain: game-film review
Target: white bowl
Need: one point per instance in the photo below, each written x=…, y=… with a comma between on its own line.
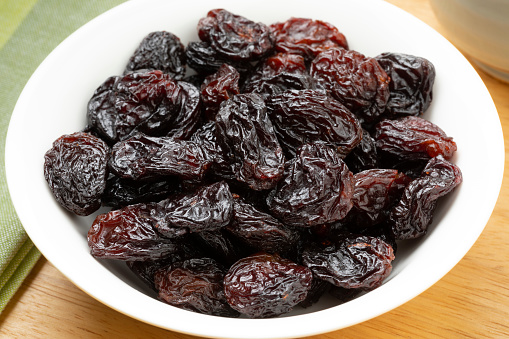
x=54, y=103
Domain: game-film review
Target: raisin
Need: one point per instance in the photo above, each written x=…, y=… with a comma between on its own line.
x=188, y=117
x=260, y=230
x=411, y=84
x=221, y=245
x=129, y=234
x=249, y=142
x=206, y=137
x=205, y=60
x=278, y=73
x=194, y=285
x=144, y=157
x=159, y=51
x=413, y=214
x=413, y=138
x=264, y=285
x=364, y=156
x=122, y=192
x=306, y=37
x=219, y=87
x=375, y=191
x=355, y=262
x=145, y=101
x=235, y=37
x=316, y=188
x=357, y=81
x=306, y=116
x=208, y=208
x=145, y=270
x=76, y=169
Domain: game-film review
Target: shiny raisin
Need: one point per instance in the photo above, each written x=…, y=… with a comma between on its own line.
x=194, y=285
x=306, y=37
x=306, y=116
x=144, y=157
x=260, y=230
x=413, y=138
x=219, y=87
x=162, y=51
x=357, y=81
x=264, y=285
x=76, y=169
x=249, y=141
x=234, y=36
x=208, y=208
x=316, y=188
x=129, y=234
x=354, y=262
x=413, y=214
x=411, y=84
x=278, y=73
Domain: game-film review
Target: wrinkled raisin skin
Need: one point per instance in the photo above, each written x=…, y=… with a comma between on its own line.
x=307, y=37
x=76, y=169
x=413, y=214
x=306, y=116
x=144, y=157
x=357, y=81
x=249, y=142
x=411, y=84
x=219, y=87
x=234, y=36
x=354, y=262
x=209, y=208
x=413, y=138
x=316, y=188
x=278, y=73
x=265, y=285
x=194, y=285
x=159, y=51
x=261, y=231
x=129, y=234
x=375, y=191
x=145, y=101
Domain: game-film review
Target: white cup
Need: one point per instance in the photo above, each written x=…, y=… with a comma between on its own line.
x=480, y=28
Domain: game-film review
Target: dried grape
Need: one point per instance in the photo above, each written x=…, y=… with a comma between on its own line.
x=76, y=169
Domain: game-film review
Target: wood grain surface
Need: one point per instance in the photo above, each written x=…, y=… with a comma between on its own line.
x=471, y=301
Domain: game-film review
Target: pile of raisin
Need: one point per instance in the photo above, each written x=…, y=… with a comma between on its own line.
x=257, y=168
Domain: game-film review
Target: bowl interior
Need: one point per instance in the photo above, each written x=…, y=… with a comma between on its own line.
x=54, y=102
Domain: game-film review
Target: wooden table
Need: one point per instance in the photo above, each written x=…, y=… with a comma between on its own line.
x=470, y=301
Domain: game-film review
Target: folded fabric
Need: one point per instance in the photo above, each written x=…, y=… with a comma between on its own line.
x=29, y=31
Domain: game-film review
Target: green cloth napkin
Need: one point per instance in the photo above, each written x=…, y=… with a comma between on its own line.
x=29, y=31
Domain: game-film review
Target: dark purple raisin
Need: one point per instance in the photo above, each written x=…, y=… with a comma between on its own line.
x=76, y=170
x=316, y=188
x=264, y=285
x=194, y=285
x=144, y=157
x=235, y=37
x=357, y=81
x=354, y=262
x=249, y=142
x=159, y=51
x=129, y=234
x=413, y=138
x=413, y=214
x=411, y=84
x=207, y=209
x=306, y=116
x=307, y=37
